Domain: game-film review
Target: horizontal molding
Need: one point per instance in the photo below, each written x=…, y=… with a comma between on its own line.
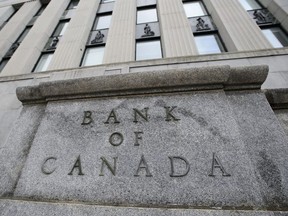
x=165, y=81
x=278, y=98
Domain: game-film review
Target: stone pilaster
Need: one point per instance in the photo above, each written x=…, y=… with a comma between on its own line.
x=15, y=26
x=5, y=13
x=72, y=46
x=238, y=31
x=120, y=46
x=177, y=36
x=27, y=54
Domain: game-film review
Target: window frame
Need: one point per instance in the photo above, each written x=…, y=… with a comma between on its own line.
x=96, y=21
x=149, y=40
x=21, y=37
x=202, y=5
x=283, y=32
x=214, y=31
x=149, y=7
x=2, y=61
x=94, y=29
x=69, y=7
x=257, y=2
x=91, y=47
x=218, y=39
x=66, y=22
x=43, y=53
x=107, y=1
x=268, y=25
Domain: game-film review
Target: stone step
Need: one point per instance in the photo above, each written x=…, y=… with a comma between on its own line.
x=19, y=208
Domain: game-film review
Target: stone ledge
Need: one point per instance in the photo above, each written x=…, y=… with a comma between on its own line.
x=278, y=98
x=179, y=80
x=18, y=207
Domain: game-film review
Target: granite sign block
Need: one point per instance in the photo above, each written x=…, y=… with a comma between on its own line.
x=181, y=149
x=14, y=151
x=152, y=143
x=266, y=143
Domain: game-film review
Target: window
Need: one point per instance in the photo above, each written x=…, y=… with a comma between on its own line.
x=148, y=50
x=3, y=64
x=205, y=32
x=269, y=25
x=61, y=28
x=73, y=4
x=53, y=41
x=33, y=20
x=17, y=43
x=69, y=12
x=147, y=15
x=145, y=3
x=250, y=4
x=41, y=10
x=95, y=46
x=208, y=44
x=24, y=33
x=93, y=56
x=43, y=62
x=56, y=36
x=194, y=9
x=148, y=42
x=11, y=14
x=106, y=1
x=102, y=22
x=276, y=37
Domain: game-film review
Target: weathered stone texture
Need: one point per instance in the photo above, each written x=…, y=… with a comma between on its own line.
x=206, y=126
x=20, y=208
x=14, y=151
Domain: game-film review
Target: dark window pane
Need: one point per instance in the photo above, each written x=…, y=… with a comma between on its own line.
x=41, y=10
x=3, y=64
x=73, y=4
x=23, y=35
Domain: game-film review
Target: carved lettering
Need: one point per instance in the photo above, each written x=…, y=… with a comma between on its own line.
x=137, y=137
x=217, y=164
x=87, y=118
x=44, y=169
x=77, y=165
x=169, y=115
x=143, y=165
x=112, y=170
x=116, y=139
x=139, y=113
x=187, y=168
x=112, y=115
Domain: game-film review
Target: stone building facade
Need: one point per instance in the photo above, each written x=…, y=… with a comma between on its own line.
x=56, y=41
x=239, y=41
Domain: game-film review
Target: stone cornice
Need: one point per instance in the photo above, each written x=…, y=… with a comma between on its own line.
x=278, y=98
x=165, y=81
